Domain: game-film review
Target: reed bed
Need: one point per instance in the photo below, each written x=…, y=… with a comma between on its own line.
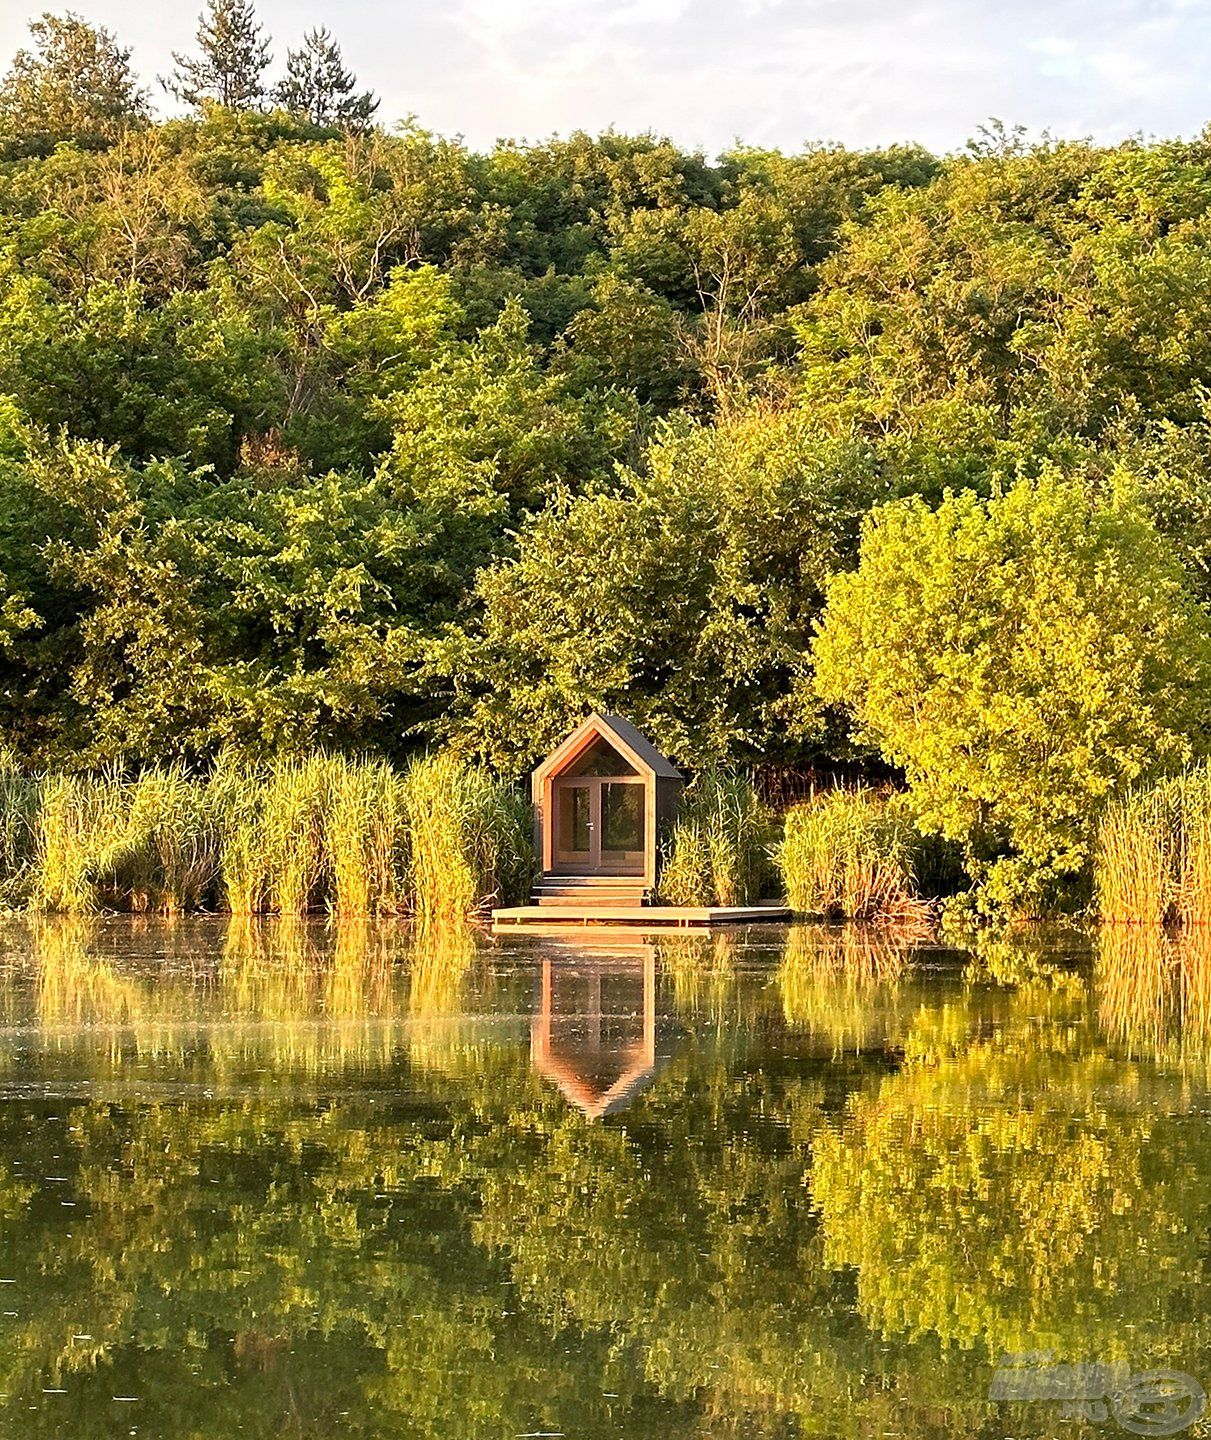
x=851, y=855
x=468, y=836
x=81, y=836
x=719, y=851
x=1152, y=861
x=317, y=833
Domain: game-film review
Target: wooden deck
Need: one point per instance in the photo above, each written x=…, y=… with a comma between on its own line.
x=650, y=917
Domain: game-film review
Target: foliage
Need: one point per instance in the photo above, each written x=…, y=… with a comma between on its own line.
x=718, y=851
x=686, y=601
x=1023, y=659
x=315, y=434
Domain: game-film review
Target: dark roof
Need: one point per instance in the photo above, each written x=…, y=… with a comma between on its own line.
x=641, y=745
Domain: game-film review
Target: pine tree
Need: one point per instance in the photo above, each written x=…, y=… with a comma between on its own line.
x=318, y=85
x=232, y=61
x=75, y=84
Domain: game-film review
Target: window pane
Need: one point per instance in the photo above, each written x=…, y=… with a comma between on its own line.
x=622, y=817
x=573, y=837
x=600, y=759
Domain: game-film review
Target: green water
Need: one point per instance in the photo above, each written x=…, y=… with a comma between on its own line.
x=280, y=1181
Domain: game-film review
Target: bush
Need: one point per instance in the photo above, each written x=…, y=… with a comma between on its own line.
x=718, y=852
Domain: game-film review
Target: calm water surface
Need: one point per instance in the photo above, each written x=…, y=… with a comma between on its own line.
x=307, y=1181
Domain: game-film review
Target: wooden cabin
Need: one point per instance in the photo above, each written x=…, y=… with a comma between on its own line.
x=603, y=801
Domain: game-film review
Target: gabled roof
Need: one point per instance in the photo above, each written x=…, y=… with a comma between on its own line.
x=619, y=733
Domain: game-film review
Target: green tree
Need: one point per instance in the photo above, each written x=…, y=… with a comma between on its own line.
x=74, y=84
x=488, y=429
x=686, y=600
x=1022, y=658
x=232, y=58
x=317, y=85
x=185, y=378
x=1060, y=286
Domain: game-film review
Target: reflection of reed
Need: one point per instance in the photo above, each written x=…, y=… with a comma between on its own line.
x=1154, y=990
x=843, y=983
x=858, y=954
x=442, y=959
x=285, y=994
x=444, y=971
x=327, y=995
x=1195, y=972
x=1136, y=984
x=73, y=985
x=702, y=969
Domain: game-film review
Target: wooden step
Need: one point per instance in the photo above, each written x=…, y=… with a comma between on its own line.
x=591, y=890
x=592, y=882
x=586, y=887
x=614, y=898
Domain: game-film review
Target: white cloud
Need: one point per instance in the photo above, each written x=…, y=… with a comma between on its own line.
x=768, y=71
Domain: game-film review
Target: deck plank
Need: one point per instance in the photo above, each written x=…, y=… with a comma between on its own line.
x=652, y=916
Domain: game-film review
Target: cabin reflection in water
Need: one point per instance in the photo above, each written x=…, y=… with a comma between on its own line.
x=593, y=1032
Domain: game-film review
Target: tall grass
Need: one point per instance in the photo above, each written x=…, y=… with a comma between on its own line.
x=468, y=837
x=367, y=840
x=850, y=855
x=238, y=792
x=82, y=828
x=296, y=836
x=1152, y=862
x=169, y=857
x=293, y=802
x=719, y=850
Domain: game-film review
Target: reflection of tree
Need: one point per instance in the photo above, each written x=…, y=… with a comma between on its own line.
x=1022, y=1191
x=356, y=1196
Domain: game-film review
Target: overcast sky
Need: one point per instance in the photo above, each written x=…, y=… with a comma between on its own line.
x=771, y=72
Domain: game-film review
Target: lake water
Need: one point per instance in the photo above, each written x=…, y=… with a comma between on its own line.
x=276, y=1180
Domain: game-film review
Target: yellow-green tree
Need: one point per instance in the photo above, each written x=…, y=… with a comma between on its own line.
x=1022, y=659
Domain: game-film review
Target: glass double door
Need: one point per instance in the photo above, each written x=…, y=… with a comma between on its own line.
x=599, y=826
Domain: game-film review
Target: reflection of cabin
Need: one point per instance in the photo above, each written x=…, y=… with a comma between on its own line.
x=594, y=1032
x=602, y=802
